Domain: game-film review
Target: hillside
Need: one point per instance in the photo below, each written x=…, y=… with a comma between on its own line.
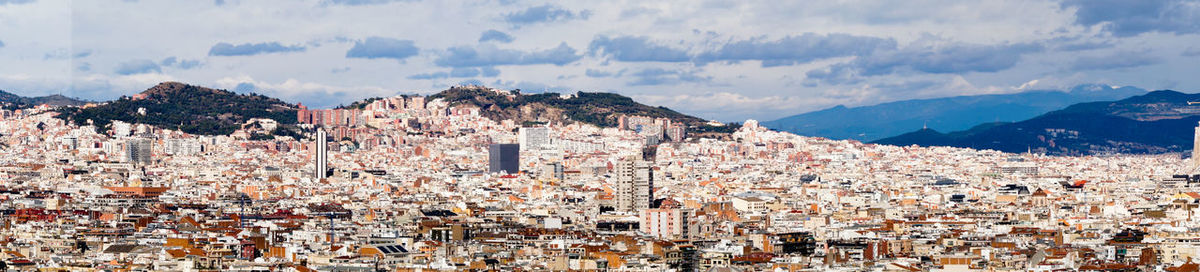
x=875, y=122
x=1157, y=122
x=13, y=101
x=600, y=109
x=191, y=109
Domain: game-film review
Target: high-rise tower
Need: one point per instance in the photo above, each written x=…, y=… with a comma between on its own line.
x=635, y=184
x=322, y=155
x=1196, y=149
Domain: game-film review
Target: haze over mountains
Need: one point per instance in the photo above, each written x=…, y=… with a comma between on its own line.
x=1156, y=122
x=18, y=101
x=869, y=123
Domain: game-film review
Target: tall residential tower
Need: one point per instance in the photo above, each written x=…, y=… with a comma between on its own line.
x=322, y=155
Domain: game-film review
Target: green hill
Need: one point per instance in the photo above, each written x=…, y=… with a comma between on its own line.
x=188, y=108
x=600, y=109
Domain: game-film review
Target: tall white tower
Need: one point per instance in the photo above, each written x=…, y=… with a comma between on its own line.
x=1196, y=149
x=322, y=155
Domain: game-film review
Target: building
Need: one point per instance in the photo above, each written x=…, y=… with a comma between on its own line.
x=139, y=151
x=504, y=157
x=534, y=138
x=1196, y=149
x=321, y=156
x=666, y=223
x=635, y=184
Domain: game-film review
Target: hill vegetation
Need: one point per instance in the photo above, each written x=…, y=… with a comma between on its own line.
x=188, y=108
x=600, y=109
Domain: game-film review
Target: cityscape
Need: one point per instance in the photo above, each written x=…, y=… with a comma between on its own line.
x=409, y=157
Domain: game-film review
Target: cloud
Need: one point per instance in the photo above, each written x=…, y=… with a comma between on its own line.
x=1191, y=52
x=434, y=75
x=358, y=2
x=729, y=106
x=800, y=49
x=177, y=63
x=1130, y=18
x=489, y=71
x=250, y=49
x=464, y=72
x=832, y=75
x=139, y=66
x=927, y=55
x=635, y=49
x=600, y=74
x=490, y=55
x=659, y=76
x=459, y=72
x=245, y=87
x=383, y=48
x=6, y=2
x=1117, y=60
x=940, y=57
x=544, y=13
x=495, y=35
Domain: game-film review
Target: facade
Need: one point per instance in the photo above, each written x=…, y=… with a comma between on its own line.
x=321, y=156
x=666, y=223
x=534, y=138
x=504, y=158
x=139, y=151
x=635, y=184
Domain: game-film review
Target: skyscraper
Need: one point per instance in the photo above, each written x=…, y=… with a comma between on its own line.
x=138, y=151
x=504, y=157
x=322, y=154
x=635, y=184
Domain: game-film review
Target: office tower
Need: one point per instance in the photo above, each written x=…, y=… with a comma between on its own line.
x=635, y=184
x=138, y=151
x=504, y=157
x=322, y=155
x=534, y=138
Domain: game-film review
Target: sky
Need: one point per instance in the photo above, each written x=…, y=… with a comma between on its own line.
x=723, y=60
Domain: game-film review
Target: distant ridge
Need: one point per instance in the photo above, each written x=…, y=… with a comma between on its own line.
x=875, y=122
x=16, y=101
x=1157, y=122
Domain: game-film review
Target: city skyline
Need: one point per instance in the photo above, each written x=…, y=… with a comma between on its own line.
x=728, y=61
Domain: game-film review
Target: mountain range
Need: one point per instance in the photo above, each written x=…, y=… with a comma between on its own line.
x=1156, y=122
x=206, y=111
x=12, y=101
x=869, y=123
